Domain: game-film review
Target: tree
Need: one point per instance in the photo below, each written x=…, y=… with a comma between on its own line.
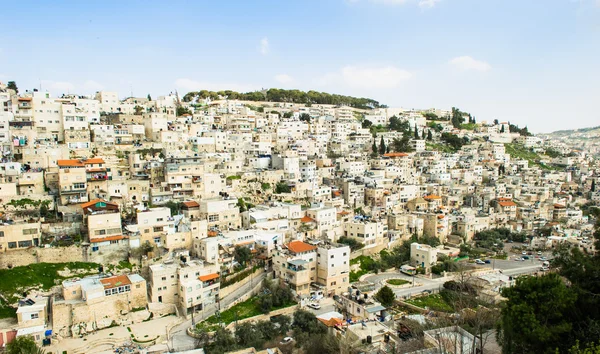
x=23, y=345
x=374, y=149
x=382, y=146
x=12, y=86
x=182, y=110
x=282, y=187
x=417, y=133
x=223, y=341
x=323, y=344
x=593, y=187
x=352, y=243
x=366, y=124
x=306, y=326
x=305, y=117
x=149, y=97
x=536, y=318
x=457, y=117
x=496, y=122
x=386, y=296
x=502, y=129
x=402, y=145
x=242, y=255
x=429, y=135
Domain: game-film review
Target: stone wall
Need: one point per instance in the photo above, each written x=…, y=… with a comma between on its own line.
x=224, y=292
x=25, y=257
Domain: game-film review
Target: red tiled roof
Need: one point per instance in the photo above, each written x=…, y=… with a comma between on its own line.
x=395, y=154
x=507, y=204
x=212, y=233
x=208, y=277
x=191, y=204
x=93, y=202
x=343, y=213
x=109, y=238
x=69, y=163
x=115, y=281
x=93, y=161
x=306, y=219
x=433, y=196
x=332, y=322
x=299, y=247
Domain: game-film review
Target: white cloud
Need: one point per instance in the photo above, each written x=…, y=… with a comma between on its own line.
x=365, y=77
x=264, y=46
x=186, y=85
x=468, y=63
x=428, y=4
x=284, y=79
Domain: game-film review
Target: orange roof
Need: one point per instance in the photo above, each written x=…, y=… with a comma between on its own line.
x=507, y=204
x=24, y=98
x=337, y=193
x=93, y=161
x=395, y=154
x=208, y=277
x=109, y=238
x=559, y=206
x=504, y=199
x=69, y=163
x=332, y=322
x=115, y=281
x=433, y=196
x=343, y=212
x=299, y=247
x=212, y=233
x=93, y=202
x=191, y=204
x=307, y=219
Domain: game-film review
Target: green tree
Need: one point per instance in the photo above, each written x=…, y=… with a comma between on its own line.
x=223, y=341
x=323, y=344
x=366, y=124
x=11, y=85
x=386, y=296
x=429, y=135
x=417, y=133
x=352, y=243
x=536, y=317
x=23, y=345
x=282, y=187
x=182, y=110
x=149, y=97
x=305, y=117
x=242, y=255
x=402, y=145
x=382, y=146
x=374, y=149
x=502, y=129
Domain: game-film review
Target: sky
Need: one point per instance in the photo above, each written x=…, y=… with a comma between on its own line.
x=534, y=63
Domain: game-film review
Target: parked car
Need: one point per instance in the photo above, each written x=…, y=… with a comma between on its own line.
x=314, y=306
x=519, y=259
x=539, y=253
x=525, y=257
x=524, y=253
x=487, y=261
x=544, y=269
x=543, y=259
x=287, y=340
x=479, y=261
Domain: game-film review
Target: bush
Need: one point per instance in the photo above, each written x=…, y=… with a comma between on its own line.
x=354, y=245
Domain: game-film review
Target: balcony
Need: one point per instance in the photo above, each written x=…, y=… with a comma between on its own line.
x=73, y=190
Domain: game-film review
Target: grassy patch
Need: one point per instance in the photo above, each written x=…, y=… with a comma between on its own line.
x=397, y=282
x=230, y=178
x=440, y=147
x=20, y=280
x=468, y=126
x=517, y=151
x=433, y=302
x=246, y=309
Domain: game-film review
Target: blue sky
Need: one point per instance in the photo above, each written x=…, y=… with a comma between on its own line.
x=532, y=62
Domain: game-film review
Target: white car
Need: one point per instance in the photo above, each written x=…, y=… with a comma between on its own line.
x=524, y=253
x=479, y=261
x=519, y=259
x=544, y=269
x=314, y=306
x=287, y=340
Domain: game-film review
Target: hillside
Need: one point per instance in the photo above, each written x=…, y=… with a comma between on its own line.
x=291, y=96
x=584, y=131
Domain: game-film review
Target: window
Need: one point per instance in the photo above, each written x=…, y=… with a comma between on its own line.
x=1, y=233
x=35, y=316
x=30, y=231
x=12, y=245
x=164, y=278
x=158, y=228
x=100, y=232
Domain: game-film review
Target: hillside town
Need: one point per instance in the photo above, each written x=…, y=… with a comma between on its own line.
x=220, y=222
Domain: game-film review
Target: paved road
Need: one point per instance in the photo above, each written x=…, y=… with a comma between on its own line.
x=179, y=339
